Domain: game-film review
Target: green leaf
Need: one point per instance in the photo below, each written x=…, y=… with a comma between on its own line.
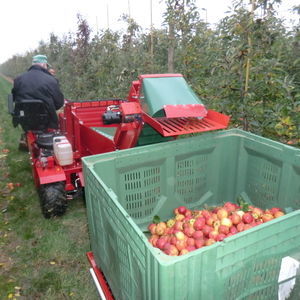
x=243, y=204
x=156, y=219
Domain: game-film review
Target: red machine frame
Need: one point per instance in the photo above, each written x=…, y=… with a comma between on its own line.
x=103, y=287
x=79, y=120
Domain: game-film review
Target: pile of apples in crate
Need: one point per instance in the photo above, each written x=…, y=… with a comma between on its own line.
x=189, y=229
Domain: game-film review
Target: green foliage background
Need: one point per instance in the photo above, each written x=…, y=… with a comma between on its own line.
x=213, y=60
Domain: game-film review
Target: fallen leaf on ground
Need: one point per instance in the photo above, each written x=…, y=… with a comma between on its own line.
x=10, y=185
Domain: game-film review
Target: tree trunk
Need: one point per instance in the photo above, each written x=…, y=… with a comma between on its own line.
x=171, y=47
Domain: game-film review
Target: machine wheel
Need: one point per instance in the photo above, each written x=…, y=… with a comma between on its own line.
x=53, y=199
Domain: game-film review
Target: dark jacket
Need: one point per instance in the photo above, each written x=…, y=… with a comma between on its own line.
x=38, y=83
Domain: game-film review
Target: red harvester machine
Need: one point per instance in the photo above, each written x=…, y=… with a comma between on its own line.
x=159, y=107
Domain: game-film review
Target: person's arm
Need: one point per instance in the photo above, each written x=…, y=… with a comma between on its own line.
x=57, y=95
x=14, y=89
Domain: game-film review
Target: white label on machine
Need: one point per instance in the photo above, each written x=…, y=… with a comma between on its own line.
x=288, y=269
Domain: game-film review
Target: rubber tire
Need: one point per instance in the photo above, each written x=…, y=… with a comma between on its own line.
x=53, y=199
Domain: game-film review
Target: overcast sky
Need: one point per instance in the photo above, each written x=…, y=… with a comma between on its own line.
x=23, y=24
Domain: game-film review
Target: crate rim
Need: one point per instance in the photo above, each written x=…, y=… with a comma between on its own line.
x=91, y=159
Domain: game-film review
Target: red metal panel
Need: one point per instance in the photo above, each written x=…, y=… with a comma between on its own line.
x=134, y=91
x=131, y=108
x=127, y=135
x=68, y=124
x=100, y=276
x=185, y=110
x=177, y=126
x=93, y=142
x=46, y=175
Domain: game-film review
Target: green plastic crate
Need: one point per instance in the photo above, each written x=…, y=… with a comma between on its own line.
x=125, y=189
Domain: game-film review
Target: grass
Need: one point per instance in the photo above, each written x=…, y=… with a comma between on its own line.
x=39, y=258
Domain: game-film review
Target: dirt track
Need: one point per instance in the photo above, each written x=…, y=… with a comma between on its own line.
x=7, y=78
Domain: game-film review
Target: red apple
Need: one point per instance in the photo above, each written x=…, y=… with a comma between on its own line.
x=186, y=225
x=259, y=221
x=257, y=212
x=247, y=218
x=267, y=217
x=153, y=239
x=166, y=246
x=198, y=234
x=209, y=242
x=190, y=242
x=180, y=244
x=199, y=243
x=183, y=251
x=199, y=223
x=240, y=213
x=233, y=230
x=206, y=230
x=224, y=229
x=179, y=217
x=160, y=228
x=253, y=224
x=220, y=237
x=179, y=235
x=152, y=228
x=172, y=250
x=182, y=210
x=206, y=214
x=178, y=225
x=210, y=221
x=189, y=231
x=230, y=207
x=235, y=218
x=188, y=213
x=240, y=227
x=191, y=248
x=278, y=214
x=213, y=234
x=173, y=240
x=186, y=219
x=226, y=222
x=169, y=231
x=161, y=242
x=222, y=213
x=274, y=210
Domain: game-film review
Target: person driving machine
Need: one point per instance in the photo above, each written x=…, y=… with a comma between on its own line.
x=38, y=83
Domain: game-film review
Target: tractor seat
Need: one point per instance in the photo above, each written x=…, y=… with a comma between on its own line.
x=31, y=114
